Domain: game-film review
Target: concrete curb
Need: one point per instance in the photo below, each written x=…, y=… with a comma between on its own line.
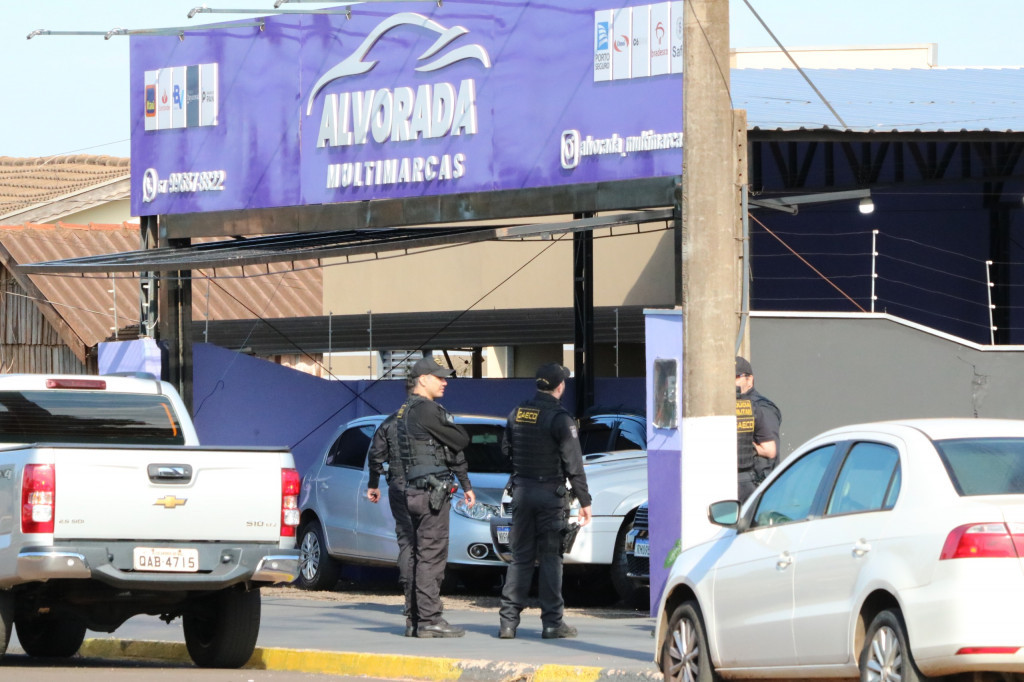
x=371, y=665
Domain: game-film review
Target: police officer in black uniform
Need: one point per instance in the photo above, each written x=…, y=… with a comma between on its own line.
x=430, y=445
x=542, y=443
x=384, y=448
x=757, y=431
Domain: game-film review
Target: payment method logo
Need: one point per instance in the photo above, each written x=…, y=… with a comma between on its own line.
x=188, y=97
x=659, y=32
x=603, y=31
x=150, y=101
x=621, y=43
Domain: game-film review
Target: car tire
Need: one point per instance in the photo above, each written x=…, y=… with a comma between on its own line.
x=886, y=655
x=685, y=656
x=317, y=569
x=6, y=619
x=50, y=637
x=221, y=631
x=631, y=592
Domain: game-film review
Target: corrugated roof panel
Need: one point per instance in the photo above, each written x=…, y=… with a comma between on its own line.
x=86, y=303
x=883, y=100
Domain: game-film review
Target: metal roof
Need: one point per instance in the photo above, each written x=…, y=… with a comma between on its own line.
x=261, y=251
x=86, y=304
x=883, y=100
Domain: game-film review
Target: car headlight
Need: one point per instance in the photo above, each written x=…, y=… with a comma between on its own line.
x=481, y=511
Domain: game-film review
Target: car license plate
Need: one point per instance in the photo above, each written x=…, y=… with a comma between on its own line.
x=175, y=560
x=503, y=534
x=642, y=548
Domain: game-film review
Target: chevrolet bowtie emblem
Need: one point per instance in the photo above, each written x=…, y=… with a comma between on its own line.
x=170, y=502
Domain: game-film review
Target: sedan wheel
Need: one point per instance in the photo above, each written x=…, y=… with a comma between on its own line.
x=684, y=656
x=317, y=570
x=886, y=656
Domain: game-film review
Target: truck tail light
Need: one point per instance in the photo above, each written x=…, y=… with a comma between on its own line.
x=290, y=484
x=984, y=540
x=38, y=495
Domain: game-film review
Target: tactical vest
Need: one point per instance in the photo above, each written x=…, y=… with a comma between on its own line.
x=420, y=457
x=744, y=432
x=534, y=451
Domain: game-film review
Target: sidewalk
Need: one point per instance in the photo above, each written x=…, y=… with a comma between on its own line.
x=366, y=638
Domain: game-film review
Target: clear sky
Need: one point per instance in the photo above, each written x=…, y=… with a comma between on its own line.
x=70, y=94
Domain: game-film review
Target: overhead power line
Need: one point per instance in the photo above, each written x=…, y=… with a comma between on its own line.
x=786, y=52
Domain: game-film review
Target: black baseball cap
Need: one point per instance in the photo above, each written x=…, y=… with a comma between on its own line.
x=428, y=365
x=550, y=375
x=743, y=366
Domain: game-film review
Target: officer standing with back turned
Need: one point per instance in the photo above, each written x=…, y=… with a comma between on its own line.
x=544, y=447
x=430, y=446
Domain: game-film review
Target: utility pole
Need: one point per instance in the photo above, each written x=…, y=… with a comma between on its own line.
x=710, y=216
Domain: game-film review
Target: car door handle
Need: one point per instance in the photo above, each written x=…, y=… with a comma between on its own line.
x=861, y=547
x=784, y=561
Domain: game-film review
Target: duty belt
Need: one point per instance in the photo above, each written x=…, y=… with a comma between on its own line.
x=421, y=483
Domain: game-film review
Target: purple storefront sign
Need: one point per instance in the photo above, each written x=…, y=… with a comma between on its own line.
x=473, y=96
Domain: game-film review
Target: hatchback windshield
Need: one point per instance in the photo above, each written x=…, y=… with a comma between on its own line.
x=984, y=466
x=87, y=417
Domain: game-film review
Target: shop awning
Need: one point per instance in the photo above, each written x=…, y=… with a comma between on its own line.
x=334, y=244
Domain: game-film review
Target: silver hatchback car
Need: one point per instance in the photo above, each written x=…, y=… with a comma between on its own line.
x=340, y=525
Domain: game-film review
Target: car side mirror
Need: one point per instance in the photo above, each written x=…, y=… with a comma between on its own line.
x=724, y=513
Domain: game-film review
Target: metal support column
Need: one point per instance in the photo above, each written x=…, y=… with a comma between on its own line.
x=175, y=327
x=583, y=308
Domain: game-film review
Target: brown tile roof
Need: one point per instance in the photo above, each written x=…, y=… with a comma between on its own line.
x=29, y=182
x=80, y=307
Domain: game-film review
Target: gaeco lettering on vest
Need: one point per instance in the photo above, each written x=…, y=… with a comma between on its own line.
x=526, y=415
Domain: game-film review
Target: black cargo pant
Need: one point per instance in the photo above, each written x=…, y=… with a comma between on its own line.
x=429, y=554
x=749, y=479
x=405, y=533
x=539, y=515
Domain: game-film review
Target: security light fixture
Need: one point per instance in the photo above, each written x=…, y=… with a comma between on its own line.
x=792, y=204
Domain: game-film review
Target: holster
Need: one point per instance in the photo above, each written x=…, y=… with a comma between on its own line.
x=439, y=490
x=569, y=534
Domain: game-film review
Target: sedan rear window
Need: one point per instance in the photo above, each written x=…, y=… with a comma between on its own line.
x=88, y=417
x=984, y=466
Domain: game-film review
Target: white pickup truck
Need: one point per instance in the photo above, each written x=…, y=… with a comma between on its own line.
x=109, y=509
